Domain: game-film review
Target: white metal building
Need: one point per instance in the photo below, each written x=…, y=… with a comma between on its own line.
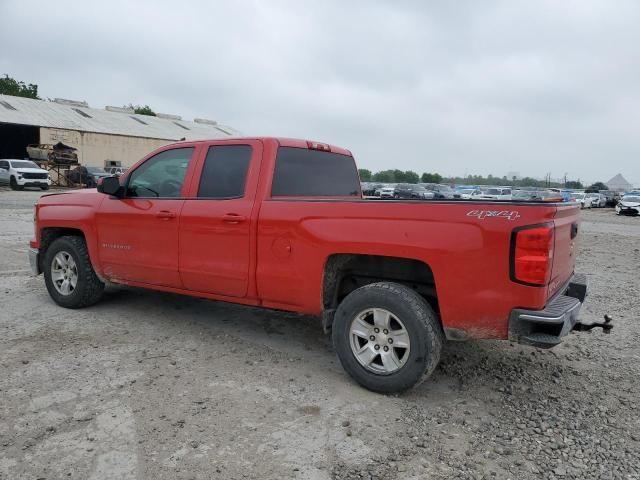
x=113, y=136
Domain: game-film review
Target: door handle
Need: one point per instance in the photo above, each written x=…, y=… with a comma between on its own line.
x=233, y=218
x=165, y=214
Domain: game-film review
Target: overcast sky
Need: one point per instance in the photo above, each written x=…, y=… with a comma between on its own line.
x=453, y=87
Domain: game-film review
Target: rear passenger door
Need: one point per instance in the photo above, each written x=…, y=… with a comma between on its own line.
x=217, y=222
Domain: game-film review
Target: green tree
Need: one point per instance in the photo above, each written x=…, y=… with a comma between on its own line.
x=365, y=175
x=9, y=86
x=576, y=184
x=385, y=176
x=598, y=186
x=411, y=177
x=141, y=109
x=431, y=178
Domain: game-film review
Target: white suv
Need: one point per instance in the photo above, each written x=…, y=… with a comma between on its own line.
x=23, y=173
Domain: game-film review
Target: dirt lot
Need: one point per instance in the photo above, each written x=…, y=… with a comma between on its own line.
x=149, y=385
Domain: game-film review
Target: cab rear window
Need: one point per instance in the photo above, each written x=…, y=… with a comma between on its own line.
x=302, y=172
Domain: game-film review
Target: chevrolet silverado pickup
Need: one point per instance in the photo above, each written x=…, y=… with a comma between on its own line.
x=281, y=224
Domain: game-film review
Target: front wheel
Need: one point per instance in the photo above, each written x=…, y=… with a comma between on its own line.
x=68, y=274
x=44, y=187
x=14, y=184
x=387, y=337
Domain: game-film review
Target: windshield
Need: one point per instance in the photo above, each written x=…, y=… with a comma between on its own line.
x=445, y=188
x=634, y=199
x=494, y=191
x=593, y=195
x=23, y=164
x=578, y=196
x=95, y=170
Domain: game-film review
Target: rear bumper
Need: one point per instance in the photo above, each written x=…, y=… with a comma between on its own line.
x=546, y=328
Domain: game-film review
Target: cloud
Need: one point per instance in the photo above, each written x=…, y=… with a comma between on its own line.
x=453, y=87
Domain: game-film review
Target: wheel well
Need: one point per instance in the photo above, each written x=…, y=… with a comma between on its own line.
x=48, y=235
x=346, y=272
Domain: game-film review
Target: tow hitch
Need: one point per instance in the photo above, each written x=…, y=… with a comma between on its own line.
x=606, y=326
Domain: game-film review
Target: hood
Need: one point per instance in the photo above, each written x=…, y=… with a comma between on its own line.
x=30, y=170
x=630, y=204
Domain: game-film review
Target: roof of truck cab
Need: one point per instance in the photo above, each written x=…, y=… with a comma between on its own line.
x=281, y=141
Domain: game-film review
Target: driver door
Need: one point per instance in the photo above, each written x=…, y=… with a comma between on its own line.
x=138, y=234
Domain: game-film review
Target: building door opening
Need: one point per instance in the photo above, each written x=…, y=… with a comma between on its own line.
x=15, y=138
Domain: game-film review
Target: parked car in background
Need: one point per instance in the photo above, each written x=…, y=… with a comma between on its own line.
x=467, y=193
x=408, y=190
x=496, y=193
x=117, y=171
x=582, y=199
x=440, y=191
x=629, y=205
x=23, y=173
x=598, y=200
x=59, y=154
x=87, y=176
x=387, y=192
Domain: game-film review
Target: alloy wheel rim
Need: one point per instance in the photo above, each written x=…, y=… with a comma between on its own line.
x=64, y=273
x=379, y=341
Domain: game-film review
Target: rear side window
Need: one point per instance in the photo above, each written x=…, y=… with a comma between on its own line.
x=301, y=172
x=225, y=171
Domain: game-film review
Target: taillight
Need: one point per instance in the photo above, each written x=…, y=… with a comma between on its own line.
x=532, y=255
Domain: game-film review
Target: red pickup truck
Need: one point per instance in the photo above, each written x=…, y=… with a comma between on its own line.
x=281, y=223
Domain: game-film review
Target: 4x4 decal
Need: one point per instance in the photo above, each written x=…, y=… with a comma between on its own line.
x=506, y=214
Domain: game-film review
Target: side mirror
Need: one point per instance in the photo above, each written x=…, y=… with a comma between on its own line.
x=110, y=186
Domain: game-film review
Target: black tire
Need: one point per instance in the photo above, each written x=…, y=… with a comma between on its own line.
x=44, y=187
x=419, y=320
x=88, y=289
x=14, y=185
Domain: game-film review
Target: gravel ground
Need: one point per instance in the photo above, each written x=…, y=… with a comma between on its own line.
x=149, y=385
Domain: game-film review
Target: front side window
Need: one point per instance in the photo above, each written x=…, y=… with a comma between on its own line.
x=301, y=172
x=225, y=171
x=4, y=164
x=161, y=176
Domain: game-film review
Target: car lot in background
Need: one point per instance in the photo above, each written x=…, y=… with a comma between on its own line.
x=629, y=205
x=23, y=173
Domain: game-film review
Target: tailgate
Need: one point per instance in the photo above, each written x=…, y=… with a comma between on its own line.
x=566, y=223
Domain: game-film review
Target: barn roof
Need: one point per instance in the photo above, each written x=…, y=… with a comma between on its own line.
x=70, y=115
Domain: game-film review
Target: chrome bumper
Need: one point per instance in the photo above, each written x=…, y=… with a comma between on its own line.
x=34, y=261
x=545, y=328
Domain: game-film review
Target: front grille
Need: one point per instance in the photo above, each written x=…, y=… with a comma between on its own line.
x=34, y=176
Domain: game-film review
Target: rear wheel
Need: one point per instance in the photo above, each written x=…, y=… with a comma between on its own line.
x=387, y=337
x=68, y=274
